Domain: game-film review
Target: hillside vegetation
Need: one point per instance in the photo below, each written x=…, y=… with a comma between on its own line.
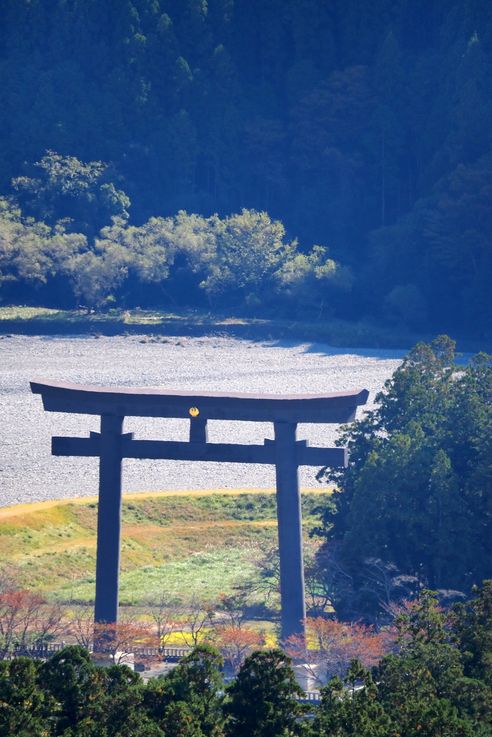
x=180, y=544
x=289, y=157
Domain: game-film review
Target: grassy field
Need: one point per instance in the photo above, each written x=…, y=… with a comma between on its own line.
x=46, y=321
x=117, y=317
x=173, y=543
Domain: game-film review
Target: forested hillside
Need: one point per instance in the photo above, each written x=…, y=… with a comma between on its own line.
x=362, y=127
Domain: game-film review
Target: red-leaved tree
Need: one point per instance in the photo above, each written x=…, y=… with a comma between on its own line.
x=331, y=645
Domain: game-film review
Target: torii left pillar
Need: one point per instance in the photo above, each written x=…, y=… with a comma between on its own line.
x=109, y=520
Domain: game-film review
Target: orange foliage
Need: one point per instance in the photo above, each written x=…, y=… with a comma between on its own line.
x=236, y=642
x=332, y=645
x=25, y=618
x=121, y=638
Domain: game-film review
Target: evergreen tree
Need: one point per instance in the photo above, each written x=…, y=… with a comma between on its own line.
x=77, y=688
x=261, y=701
x=473, y=627
x=351, y=708
x=420, y=686
x=190, y=695
x=25, y=709
x=416, y=489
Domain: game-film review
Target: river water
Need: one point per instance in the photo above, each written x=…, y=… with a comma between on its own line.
x=29, y=473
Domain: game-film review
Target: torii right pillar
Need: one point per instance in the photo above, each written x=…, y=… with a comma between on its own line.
x=289, y=517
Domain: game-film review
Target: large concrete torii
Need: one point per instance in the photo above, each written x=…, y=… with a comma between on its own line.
x=286, y=453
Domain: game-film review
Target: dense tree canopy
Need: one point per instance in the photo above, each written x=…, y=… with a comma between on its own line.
x=365, y=129
x=189, y=701
x=436, y=683
x=242, y=260
x=262, y=700
x=423, y=689
x=413, y=507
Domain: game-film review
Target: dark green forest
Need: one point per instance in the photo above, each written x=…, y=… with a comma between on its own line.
x=144, y=142
x=436, y=683
x=413, y=507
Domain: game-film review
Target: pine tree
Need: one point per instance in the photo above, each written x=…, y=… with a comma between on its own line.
x=261, y=701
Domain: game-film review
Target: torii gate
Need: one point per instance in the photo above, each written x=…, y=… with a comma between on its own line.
x=286, y=453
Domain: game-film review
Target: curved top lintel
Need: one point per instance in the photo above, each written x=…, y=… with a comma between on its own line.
x=159, y=402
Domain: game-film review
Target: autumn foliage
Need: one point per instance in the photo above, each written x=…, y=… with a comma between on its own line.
x=332, y=645
x=25, y=618
x=236, y=643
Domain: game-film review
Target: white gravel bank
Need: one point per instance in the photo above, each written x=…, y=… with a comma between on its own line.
x=29, y=473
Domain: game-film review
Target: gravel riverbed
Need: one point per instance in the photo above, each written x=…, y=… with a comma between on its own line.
x=28, y=472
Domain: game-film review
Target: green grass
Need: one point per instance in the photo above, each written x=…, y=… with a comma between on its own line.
x=203, y=543
x=37, y=320
x=135, y=316
x=207, y=573
x=27, y=313
x=158, y=324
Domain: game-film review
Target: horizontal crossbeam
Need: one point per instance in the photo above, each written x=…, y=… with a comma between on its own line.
x=185, y=451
